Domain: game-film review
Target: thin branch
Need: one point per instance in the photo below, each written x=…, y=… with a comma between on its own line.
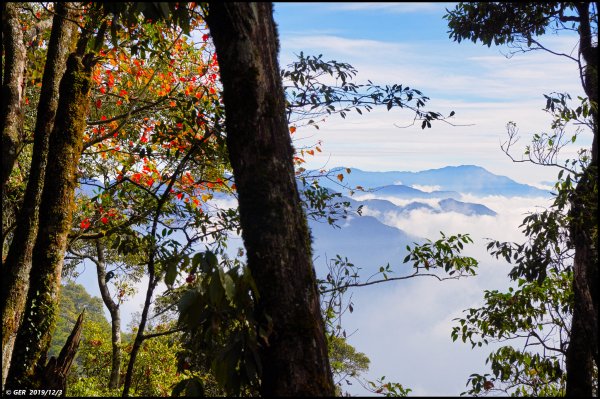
x=541, y=47
x=129, y=113
x=543, y=343
x=391, y=279
x=159, y=334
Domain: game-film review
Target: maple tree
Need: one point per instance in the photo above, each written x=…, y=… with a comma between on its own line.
x=155, y=154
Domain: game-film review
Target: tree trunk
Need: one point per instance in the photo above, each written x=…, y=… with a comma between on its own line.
x=139, y=337
x=582, y=352
x=13, y=87
x=274, y=226
x=15, y=275
x=153, y=278
x=56, y=208
x=56, y=371
x=115, y=317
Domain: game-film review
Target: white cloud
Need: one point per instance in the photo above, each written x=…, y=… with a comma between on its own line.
x=511, y=212
x=483, y=87
x=427, y=189
x=405, y=331
x=328, y=45
x=398, y=8
x=372, y=142
x=404, y=327
x=439, y=65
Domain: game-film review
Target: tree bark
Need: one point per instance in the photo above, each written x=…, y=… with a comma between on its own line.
x=66, y=141
x=16, y=268
x=13, y=87
x=274, y=226
x=115, y=317
x=582, y=352
x=56, y=371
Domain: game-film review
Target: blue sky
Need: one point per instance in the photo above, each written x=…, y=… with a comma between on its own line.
x=408, y=43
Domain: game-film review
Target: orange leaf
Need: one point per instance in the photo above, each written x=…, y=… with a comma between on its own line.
x=292, y=129
x=340, y=177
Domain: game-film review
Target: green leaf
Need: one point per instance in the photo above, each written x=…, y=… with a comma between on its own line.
x=215, y=290
x=229, y=285
x=211, y=258
x=171, y=273
x=186, y=301
x=197, y=259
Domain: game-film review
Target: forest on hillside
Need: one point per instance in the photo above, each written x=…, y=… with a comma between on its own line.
x=139, y=138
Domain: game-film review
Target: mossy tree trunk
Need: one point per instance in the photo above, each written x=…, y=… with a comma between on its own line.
x=16, y=268
x=274, y=226
x=66, y=141
x=13, y=87
x=582, y=353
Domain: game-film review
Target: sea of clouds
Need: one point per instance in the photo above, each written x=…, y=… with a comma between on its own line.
x=405, y=330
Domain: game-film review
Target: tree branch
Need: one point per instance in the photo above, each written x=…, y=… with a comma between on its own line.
x=390, y=279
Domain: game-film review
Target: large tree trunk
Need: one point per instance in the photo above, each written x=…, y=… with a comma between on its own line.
x=13, y=87
x=583, y=348
x=15, y=272
x=66, y=141
x=274, y=226
x=115, y=317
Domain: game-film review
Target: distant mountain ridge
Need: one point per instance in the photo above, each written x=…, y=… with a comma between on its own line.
x=403, y=191
x=370, y=241
x=465, y=179
x=382, y=206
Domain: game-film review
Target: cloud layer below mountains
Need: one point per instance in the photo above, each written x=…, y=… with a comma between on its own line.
x=404, y=327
